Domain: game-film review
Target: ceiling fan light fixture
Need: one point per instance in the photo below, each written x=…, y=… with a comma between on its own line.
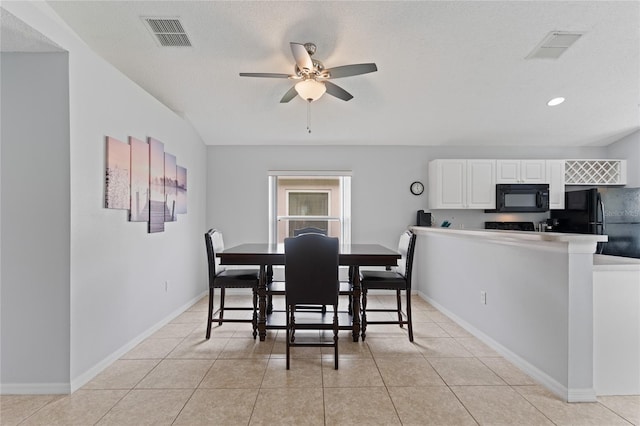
x=310, y=89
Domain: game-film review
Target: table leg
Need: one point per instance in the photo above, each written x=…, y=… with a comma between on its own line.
x=262, y=303
x=356, y=303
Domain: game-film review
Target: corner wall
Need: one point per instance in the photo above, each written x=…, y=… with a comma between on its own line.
x=116, y=289
x=628, y=148
x=35, y=260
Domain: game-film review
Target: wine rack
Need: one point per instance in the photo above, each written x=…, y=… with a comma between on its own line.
x=595, y=172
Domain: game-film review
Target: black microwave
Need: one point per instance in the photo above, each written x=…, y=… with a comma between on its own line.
x=521, y=198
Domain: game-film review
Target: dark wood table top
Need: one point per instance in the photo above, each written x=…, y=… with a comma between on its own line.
x=273, y=254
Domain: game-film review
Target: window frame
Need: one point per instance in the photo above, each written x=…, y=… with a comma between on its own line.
x=345, y=200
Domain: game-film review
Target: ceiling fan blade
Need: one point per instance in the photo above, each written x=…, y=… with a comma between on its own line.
x=303, y=60
x=349, y=70
x=291, y=93
x=264, y=74
x=337, y=91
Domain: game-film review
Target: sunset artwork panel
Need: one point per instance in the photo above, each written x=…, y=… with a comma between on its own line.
x=170, y=183
x=117, y=175
x=157, y=204
x=139, y=180
x=181, y=206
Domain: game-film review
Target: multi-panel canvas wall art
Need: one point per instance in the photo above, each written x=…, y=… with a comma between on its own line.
x=117, y=175
x=139, y=180
x=144, y=179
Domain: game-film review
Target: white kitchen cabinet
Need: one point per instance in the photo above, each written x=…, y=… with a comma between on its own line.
x=555, y=179
x=521, y=171
x=462, y=184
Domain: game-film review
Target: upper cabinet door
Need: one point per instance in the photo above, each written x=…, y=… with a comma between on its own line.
x=481, y=184
x=447, y=184
x=533, y=171
x=555, y=178
x=508, y=171
x=521, y=171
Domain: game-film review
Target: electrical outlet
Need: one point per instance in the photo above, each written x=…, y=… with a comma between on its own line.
x=483, y=297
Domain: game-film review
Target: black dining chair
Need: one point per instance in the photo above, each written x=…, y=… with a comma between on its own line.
x=311, y=278
x=309, y=230
x=223, y=278
x=276, y=288
x=398, y=279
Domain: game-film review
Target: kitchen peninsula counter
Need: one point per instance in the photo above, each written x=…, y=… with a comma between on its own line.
x=536, y=307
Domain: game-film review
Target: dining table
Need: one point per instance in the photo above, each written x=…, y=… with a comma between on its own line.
x=267, y=255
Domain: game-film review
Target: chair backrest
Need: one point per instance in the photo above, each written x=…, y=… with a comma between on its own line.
x=309, y=230
x=406, y=247
x=311, y=269
x=214, y=243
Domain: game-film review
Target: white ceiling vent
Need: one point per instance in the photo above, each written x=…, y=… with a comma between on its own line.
x=168, y=32
x=554, y=45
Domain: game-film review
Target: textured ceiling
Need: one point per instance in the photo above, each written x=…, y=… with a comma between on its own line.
x=16, y=36
x=450, y=72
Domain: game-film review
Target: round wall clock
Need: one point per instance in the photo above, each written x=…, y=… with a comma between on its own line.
x=417, y=188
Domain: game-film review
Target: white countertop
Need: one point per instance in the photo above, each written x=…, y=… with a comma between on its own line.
x=496, y=234
x=608, y=263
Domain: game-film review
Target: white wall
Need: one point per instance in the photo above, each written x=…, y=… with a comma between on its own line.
x=628, y=148
x=35, y=262
x=382, y=205
x=117, y=270
x=237, y=198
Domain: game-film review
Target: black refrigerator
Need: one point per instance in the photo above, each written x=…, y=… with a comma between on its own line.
x=614, y=212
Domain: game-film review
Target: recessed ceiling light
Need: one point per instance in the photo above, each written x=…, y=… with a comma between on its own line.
x=555, y=101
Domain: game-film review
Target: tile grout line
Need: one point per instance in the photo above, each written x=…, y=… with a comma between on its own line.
x=451, y=390
x=385, y=386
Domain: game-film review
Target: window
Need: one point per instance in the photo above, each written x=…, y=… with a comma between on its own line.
x=309, y=199
x=312, y=206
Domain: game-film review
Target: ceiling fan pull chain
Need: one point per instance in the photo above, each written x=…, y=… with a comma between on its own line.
x=309, y=116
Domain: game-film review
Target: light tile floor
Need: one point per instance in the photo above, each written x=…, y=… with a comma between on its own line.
x=445, y=377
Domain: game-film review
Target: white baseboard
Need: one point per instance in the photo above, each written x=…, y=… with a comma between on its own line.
x=569, y=395
x=82, y=379
x=581, y=395
x=34, y=388
x=92, y=372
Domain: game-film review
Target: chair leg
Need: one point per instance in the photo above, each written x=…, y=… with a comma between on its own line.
x=409, y=321
x=335, y=335
x=399, y=307
x=363, y=322
x=292, y=323
x=351, y=272
x=288, y=327
x=221, y=306
x=269, y=303
x=210, y=312
x=255, y=313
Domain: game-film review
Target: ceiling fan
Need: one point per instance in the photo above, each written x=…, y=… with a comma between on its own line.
x=314, y=76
